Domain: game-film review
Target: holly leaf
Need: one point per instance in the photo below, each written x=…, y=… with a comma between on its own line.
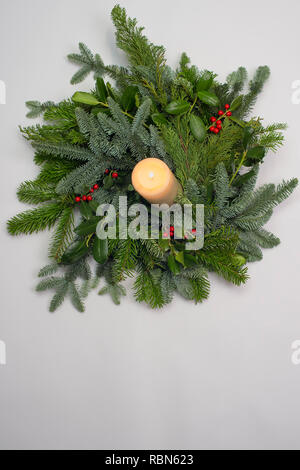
x=177, y=107
x=208, y=98
x=197, y=128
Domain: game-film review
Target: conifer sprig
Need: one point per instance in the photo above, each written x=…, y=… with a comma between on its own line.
x=89, y=144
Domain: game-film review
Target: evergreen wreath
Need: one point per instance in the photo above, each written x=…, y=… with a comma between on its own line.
x=88, y=146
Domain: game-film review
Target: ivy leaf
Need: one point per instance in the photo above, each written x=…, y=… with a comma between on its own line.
x=85, y=98
x=208, y=98
x=177, y=107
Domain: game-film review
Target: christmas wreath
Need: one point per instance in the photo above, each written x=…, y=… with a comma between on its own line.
x=88, y=146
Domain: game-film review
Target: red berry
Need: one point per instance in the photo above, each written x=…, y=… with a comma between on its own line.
x=96, y=186
x=194, y=230
x=89, y=198
x=216, y=130
x=106, y=171
x=91, y=190
x=219, y=126
x=114, y=175
x=83, y=198
x=212, y=119
x=220, y=113
x=229, y=113
x=77, y=199
x=218, y=122
x=226, y=106
x=211, y=128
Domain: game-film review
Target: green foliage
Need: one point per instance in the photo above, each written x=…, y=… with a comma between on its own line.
x=35, y=220
x=88, y=63
x=151, y=111
x=36, y=108
x=130, y=39
x=147, y=287
x=63, y=234
x=34, y=192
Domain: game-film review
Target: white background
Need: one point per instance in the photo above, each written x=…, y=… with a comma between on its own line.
x=213, y=376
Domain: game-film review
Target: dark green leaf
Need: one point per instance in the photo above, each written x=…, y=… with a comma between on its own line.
x=159, y=119
x=208, y=98
x=237, y=121
x=236, y=103
x=100, y=250
x=248, y=133
x=88, y=226
x=74, y=252
x=128, y=98
x=255, y=155
x=111, y=91
x=177, y=107
x=173, y=265
x=205, y=81
x=189, y=260
x=101, y=90
x=108, y=182
x=86, y=210
x=242, y=179
x=197, y=127
x=180, y=257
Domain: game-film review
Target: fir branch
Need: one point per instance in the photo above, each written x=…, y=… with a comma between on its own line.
x=130, y=39
x=88, y=62
x=34, y=192
x=71, y=152
x=63, y=235
x=35, y=220
x=36, y=108
x=147, y=288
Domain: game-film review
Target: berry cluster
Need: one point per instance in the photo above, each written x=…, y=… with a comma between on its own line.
x=171, y=232
x=217, y=123
x=89, y=197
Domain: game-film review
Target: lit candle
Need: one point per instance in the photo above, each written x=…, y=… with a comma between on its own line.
x=154, y=180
